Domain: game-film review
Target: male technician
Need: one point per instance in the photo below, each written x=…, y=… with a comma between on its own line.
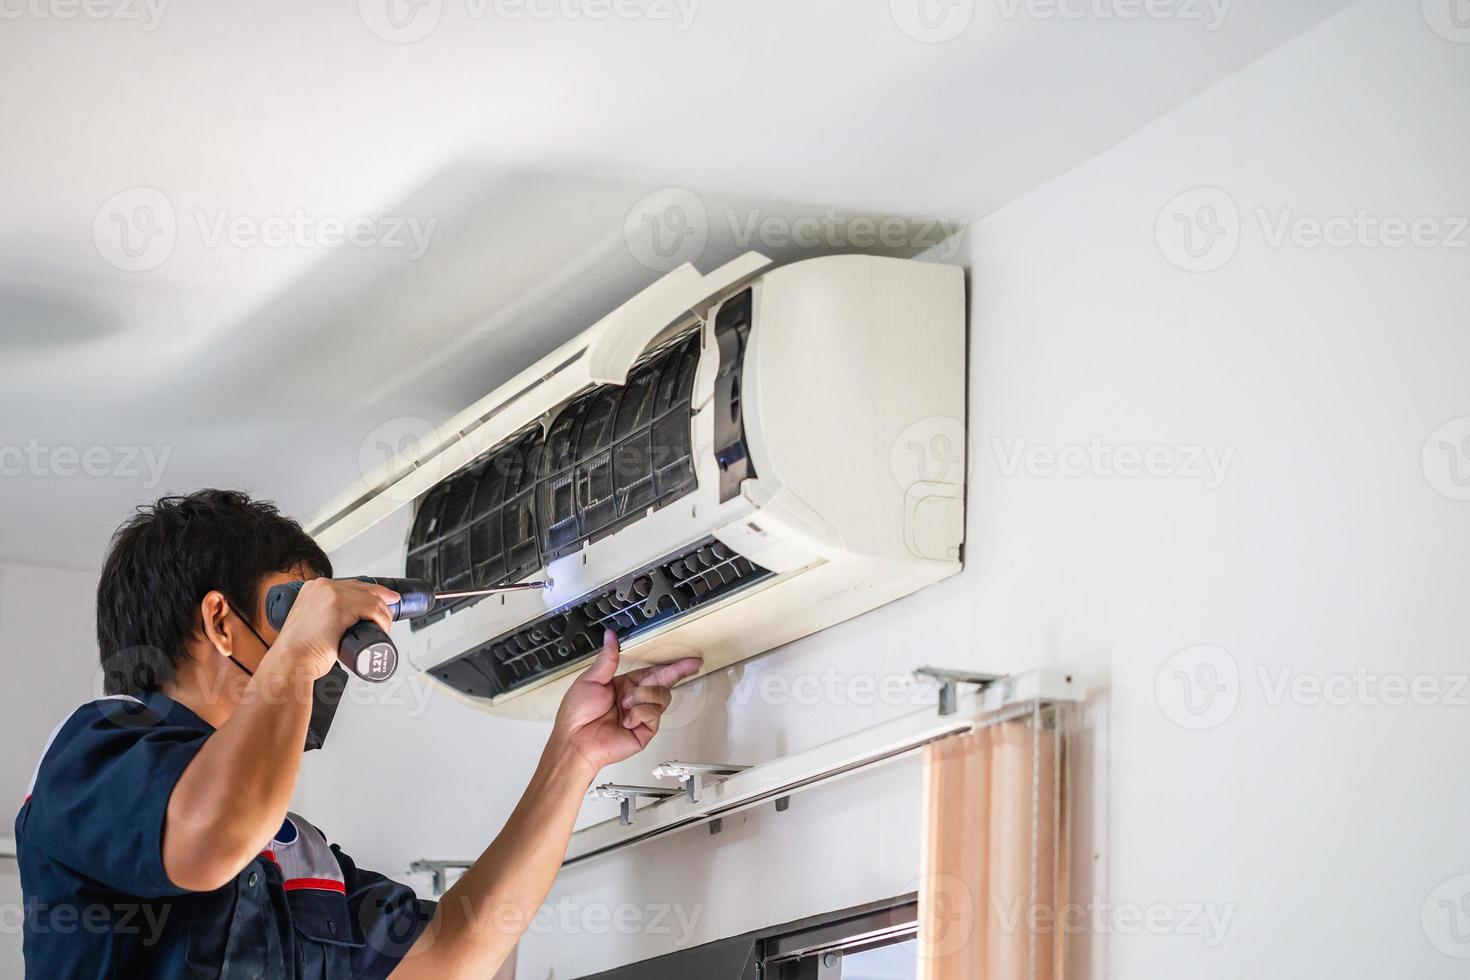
x=155, y=842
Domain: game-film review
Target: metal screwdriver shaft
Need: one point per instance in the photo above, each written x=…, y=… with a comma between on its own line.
x=517, y=587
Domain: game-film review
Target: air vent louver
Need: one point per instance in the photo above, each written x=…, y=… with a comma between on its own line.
x=609, y=457
x=671, y=587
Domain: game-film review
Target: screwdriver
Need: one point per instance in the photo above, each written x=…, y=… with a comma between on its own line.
x=365, y=649
x=517, y=587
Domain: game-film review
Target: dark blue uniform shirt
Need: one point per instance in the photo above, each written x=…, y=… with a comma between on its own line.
x=89, y=839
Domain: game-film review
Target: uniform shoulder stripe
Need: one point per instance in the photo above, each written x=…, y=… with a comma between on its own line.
x=51, y=739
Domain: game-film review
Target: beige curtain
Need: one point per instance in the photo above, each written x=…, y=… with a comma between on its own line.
x=993, y=854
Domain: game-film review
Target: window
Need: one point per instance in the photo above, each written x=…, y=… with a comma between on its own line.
x=895, y=961
x=874, y=944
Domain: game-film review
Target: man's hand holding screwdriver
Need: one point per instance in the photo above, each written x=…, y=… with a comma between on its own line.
x=324, y=610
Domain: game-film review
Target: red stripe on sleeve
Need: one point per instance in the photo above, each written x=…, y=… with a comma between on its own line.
x=322, y=884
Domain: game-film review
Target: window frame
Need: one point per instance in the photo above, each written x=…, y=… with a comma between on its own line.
x=791, y=951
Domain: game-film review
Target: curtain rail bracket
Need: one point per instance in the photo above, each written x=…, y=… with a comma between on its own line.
x=628, y=796
x=949, y=682
x=694, y=776
x=438, y=871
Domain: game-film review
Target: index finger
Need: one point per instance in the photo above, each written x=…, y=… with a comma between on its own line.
x=386, y=595
x=369, y=604
x=666, y=675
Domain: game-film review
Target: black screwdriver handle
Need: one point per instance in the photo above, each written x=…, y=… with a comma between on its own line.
x=365, y=649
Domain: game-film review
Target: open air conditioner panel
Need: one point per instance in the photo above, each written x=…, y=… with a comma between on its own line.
x=609, y=457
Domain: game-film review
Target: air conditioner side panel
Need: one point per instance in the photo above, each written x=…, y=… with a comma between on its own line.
x=857, y=404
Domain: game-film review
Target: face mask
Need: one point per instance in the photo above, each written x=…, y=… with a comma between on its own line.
x=326, y=694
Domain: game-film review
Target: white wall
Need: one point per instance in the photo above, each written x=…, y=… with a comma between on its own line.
x=1320, y=830
x=1316, y=831
x=48, y=648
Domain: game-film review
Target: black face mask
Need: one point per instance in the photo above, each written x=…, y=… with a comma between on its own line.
x=326, y=694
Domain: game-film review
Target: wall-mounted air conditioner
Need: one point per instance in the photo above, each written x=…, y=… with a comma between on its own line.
x=723, y=464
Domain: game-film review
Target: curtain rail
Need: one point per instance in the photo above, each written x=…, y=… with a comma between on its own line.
x=1002, y=700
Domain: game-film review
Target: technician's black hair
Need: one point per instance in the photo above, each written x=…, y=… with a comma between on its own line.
x=167, y=557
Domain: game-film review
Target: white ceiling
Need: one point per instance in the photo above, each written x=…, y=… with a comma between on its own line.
x=528, y=142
